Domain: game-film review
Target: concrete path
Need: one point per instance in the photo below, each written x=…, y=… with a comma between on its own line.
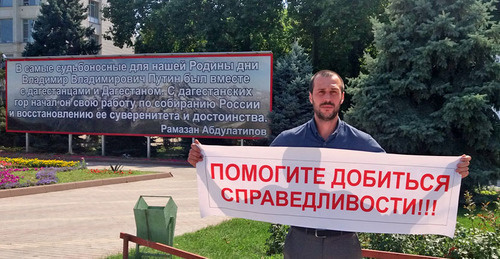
x=86, y=222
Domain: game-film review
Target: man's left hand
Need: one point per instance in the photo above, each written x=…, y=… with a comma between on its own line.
x=463, y=166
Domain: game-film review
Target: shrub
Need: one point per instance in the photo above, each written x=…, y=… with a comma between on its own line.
x=276, y=241
x=479, y=241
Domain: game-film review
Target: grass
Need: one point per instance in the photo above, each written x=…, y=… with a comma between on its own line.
x=235, y=238
x=476, y=221
x=79, y=175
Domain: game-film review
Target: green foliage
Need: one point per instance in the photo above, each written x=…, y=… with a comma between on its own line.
x=291, y=78
x=486, y=195
x=125, y=16
x=434, y=84
x=488, y=218
x=175, y=148
x=276, y=241
x=126, y=146
x=56, y=143
x=478, y=241
x=335, y=32
x=8, y=139
x=235, y=238
x=198, y=26
x=116, y=167
x=2, y=119
x=429, y=245
x=2, y=74
x=58, y=31
x=496, y=12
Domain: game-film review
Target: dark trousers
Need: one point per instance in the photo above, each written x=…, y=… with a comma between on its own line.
x=310, y=244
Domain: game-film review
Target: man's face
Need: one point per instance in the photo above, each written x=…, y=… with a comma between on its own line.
x=326, y=97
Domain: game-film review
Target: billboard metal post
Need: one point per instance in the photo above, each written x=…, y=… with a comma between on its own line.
x=149, y=147
x=27, y=142
x=70, y=144
x=103, y=146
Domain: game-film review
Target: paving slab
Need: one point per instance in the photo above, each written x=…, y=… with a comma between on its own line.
x=86, y=222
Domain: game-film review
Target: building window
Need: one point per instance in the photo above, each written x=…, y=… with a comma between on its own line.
x=6, y=33
x=28, y=30
x=31, y=2
x=94, y=11
x=5, y=3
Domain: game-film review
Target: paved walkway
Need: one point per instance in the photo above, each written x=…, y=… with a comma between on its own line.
x=86, y=222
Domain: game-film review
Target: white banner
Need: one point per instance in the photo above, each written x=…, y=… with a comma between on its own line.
x=331, y=188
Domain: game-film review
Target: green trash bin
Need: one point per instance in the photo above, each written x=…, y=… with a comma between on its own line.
x=156, y=223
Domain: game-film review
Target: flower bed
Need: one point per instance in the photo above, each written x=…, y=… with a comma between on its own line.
x=46, y=171
x=35, y=162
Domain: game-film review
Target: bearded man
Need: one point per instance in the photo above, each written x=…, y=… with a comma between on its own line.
x=325, y=130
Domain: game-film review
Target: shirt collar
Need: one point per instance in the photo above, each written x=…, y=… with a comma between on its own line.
x=314, y=129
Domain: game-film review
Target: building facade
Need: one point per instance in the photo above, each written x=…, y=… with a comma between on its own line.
x=18, y=16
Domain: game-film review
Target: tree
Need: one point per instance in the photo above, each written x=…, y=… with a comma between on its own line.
x=6, y=139
x=198, y=26
x=496, y=12
x=58, y=31
x=126, y=146
x=128, y=19
x=335, y=32
x=434, y=84
x=291, y=107
x=247, y=25
x=2, y=77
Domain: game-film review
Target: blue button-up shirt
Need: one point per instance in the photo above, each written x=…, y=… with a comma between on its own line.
x=345, y=136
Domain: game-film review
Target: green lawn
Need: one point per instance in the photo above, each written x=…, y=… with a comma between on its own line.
x=476, y=221
x=79, y=175
x=235, y=238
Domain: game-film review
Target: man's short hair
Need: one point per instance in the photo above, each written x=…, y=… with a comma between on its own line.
x=325, y=73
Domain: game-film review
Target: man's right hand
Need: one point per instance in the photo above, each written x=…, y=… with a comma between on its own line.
x=195, y=155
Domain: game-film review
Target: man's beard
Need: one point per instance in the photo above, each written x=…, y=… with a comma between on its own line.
x=326, y=117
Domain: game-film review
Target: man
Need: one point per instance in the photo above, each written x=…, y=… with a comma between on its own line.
x=325, y=129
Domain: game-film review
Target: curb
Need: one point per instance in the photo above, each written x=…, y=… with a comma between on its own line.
x=6, y=193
